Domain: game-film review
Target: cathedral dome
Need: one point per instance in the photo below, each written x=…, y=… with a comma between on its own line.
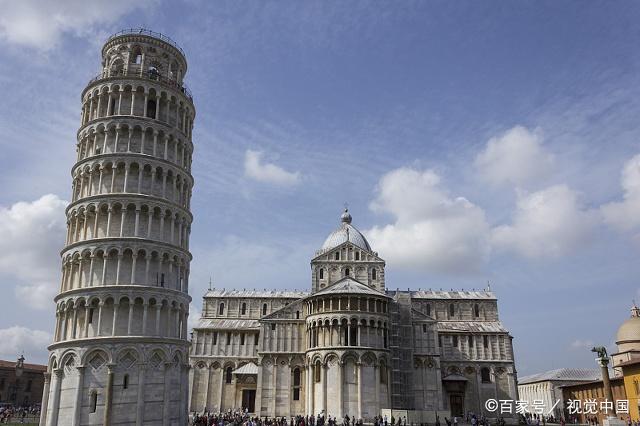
x=345, y=232
x=629, y=332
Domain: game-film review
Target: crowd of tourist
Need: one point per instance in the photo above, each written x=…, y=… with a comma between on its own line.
x=19, y=414
x=242, y=418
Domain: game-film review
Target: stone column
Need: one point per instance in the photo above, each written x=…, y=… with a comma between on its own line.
x=184, y=394
x=52, y=420
x=359, y=372
x=130, y=319
x=142, y=368
x=274, y=402
x=145, y=313
x=603, y=362
x=221, y=388
x=116, y=307
x=376, y=371
x=165, y=403
x=309, y=389
x=79, y=388
x=258, y=402
x=45, y=399
x=108, y=396
x=324, y=387
x=206, y=387
x=340, y=384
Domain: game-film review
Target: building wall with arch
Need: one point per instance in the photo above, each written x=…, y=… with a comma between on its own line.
x=359, y=354
x=120, y=349
x=143, y=386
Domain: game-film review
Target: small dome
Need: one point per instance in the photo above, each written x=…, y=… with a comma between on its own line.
x=629, y=331
x=346, y=232
x=346, y=216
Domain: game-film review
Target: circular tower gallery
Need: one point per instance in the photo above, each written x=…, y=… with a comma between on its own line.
x=120, y=348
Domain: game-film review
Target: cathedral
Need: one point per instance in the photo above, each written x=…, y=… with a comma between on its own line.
x=350, y=346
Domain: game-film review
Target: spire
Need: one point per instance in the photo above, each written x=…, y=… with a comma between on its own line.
x=635, y=311
x=209, y=282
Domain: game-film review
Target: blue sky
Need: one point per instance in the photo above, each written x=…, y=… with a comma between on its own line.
x=473, y=141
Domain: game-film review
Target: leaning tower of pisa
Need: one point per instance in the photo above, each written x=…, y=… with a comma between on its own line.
x=120, y=348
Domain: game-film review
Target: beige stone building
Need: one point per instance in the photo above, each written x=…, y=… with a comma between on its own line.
x=120, y=350
x=547, y=387
x=21, y=383
x=350, y=346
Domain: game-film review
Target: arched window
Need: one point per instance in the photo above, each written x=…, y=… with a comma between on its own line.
x=151, y=108
x=221, y=309
x=296, y=384
x=264, y=309
x=428, y=309
x=297, y=314
x=454, y=341
x=346, y=272
x=485, y=375
x=93, y=401
x=136, y=56
x=476, y=310
x=242, y=339
x=125, y=381
x=321, y=273
x=357, y=255
x=243, y=311
x=337, y=255
x=228, y=374
x=374, y=274
x=383, y=374
x=452, y=310
x=316, y=372
x=470, y=341
x=117, y=67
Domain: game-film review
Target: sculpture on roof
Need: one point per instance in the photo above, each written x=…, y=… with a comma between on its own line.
x=601, y=351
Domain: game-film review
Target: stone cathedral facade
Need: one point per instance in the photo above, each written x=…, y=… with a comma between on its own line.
x=120, y=350
x=350, y=346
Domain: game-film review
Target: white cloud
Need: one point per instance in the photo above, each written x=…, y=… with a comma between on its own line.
x=515, y=157
x=625, y=214
x=432, y=230
x=582, y=344
x=256, y=169
x=41, y=24
x=547, y=223
x=32, y=235
x=17, y=340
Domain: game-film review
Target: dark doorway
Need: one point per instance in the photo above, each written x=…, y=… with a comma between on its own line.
x=249, y=399
x=457, y=408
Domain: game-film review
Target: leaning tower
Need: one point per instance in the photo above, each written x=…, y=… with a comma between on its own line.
x=120, y=348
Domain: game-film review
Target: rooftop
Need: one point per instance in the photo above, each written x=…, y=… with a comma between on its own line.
x=227, y=324
x=27, y=367
x=472, y=326
x=348, y=285
x=444, y=294
x=564, y=374
x=261, y=294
